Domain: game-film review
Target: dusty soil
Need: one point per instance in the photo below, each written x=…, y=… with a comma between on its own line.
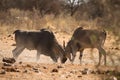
x=26, y=68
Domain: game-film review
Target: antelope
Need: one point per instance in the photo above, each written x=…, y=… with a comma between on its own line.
x=43, y=41
x=85, y=38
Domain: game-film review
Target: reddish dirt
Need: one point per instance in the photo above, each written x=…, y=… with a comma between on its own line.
x=26, y=68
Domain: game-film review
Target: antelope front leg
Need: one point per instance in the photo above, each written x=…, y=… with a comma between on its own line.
x=73, y=58
x=74, y=51
x=102, y=52
x=100, y=55
x=105, y=59
x=38, y=56
x=81, y=54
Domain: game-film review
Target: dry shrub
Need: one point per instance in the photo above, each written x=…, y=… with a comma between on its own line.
x=16, y=18
x=20, y=19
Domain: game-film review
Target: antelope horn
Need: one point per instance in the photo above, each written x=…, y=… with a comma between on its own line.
x=63, y=44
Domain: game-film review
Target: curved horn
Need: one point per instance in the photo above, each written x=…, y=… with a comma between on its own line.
x=63, y=44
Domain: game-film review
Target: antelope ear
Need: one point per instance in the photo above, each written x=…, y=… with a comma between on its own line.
x=63, y=44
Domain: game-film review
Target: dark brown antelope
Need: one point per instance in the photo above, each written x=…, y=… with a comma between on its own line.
x=84, y=38
x=43, y=41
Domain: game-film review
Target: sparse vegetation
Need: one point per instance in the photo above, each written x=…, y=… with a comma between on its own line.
x=34, y=14
x=63, y=16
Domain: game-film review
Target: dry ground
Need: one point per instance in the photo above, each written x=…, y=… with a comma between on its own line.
x=27, y=69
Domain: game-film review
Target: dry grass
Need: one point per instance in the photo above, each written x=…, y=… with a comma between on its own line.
x=31, y=20
x=19, y=19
